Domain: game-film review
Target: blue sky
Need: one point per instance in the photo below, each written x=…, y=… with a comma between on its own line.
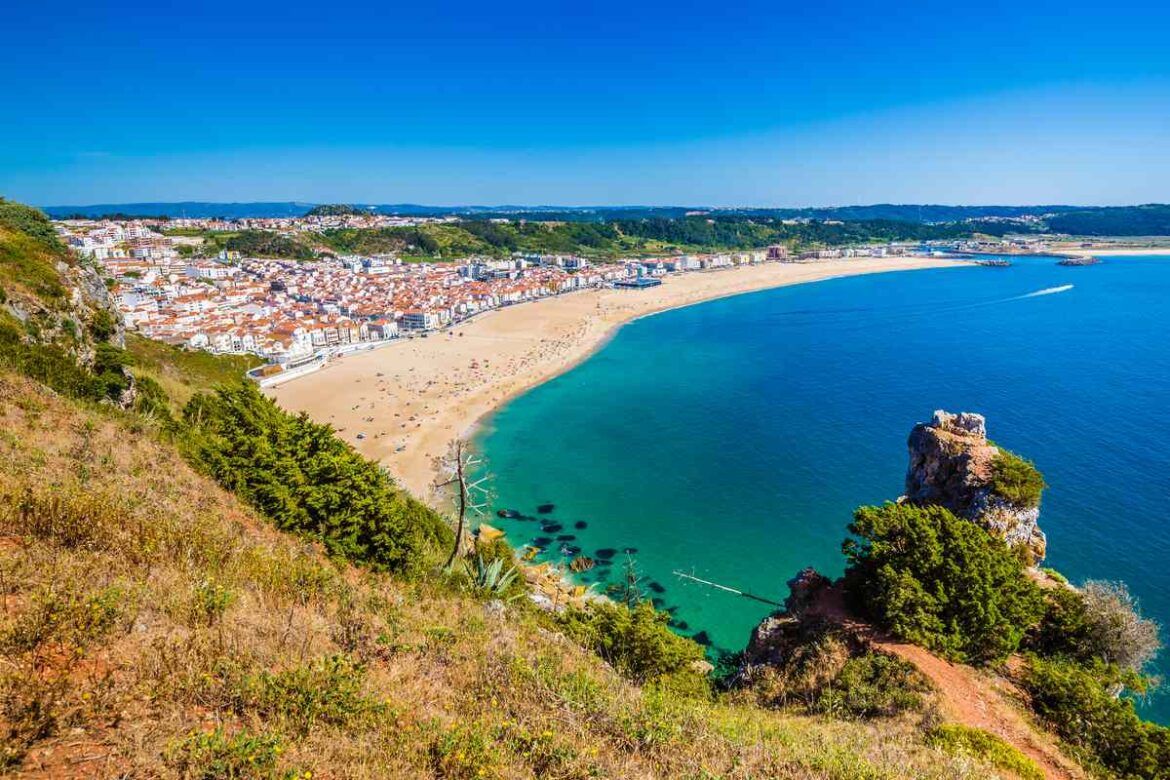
x=735, y=103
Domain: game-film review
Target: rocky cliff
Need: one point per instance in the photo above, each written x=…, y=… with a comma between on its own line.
x=952, y=464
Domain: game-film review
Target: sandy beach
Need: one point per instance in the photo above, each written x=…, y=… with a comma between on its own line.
x=411, y=398
x=1135, y=252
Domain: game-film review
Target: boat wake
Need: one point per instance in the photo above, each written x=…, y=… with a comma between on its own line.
x=1048, y=291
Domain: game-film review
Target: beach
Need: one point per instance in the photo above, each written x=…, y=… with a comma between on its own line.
x=1133, y=252
x=403, y=404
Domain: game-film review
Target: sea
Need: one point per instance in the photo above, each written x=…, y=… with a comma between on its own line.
x=732, y=440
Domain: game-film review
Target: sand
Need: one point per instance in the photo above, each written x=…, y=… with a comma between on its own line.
x=1135, y=252
x=411, y=398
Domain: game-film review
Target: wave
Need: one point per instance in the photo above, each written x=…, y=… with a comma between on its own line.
x=1048, y=291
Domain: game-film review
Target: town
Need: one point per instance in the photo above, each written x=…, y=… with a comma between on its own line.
x=292, y=311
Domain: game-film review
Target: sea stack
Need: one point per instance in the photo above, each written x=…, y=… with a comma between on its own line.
x=952, y=464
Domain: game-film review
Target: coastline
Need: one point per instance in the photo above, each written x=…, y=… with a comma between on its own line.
x=409, y=399
x=1136, y=252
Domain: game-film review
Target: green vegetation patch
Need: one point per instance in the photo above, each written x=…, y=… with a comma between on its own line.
x=1080, y=704
x=636, y=641
x=184, y=372
x=964, y=740
x=1098, y=623
x=210, y=755
x=31, y=222
x=263, y=243
x=328, y=691
x=939, y=581
x=28, y=264
x=871, y=685
x=1017, y=479
x=306, y=480
x=335, y=210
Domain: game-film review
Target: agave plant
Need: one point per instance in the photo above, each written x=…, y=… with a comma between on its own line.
x=491, y=579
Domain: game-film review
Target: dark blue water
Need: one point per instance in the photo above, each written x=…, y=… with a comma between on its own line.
x=733, y=439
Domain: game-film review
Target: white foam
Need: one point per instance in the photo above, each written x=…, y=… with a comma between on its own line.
x=1049, y=291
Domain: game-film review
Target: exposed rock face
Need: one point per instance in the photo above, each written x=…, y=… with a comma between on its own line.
x=951, y=465
x=806, y=643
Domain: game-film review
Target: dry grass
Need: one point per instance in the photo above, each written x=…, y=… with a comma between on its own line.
x=154, y=627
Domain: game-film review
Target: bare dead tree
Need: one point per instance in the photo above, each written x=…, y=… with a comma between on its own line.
x=469, y=496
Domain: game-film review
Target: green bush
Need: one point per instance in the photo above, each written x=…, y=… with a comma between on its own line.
x=210, y=601
x=213, y=755
x=964, y=740
x=1016, y=479
x=872, y=685
x=1098, y=623
x=1079, y=704
x=939, y=581
x=327, y=691
x=307, y=480
x=636, y=641
x=32, y=222
x=58, y=368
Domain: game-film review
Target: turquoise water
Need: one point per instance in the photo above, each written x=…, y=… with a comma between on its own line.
x=734, y=438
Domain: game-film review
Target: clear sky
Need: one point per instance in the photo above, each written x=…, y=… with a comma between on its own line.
x=717, y=103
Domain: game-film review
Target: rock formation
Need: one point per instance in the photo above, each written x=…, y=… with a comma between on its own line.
x=791, y=640
x=952, y=465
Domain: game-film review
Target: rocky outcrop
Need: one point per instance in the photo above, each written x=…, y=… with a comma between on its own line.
x=952, y=464
x=793, y=653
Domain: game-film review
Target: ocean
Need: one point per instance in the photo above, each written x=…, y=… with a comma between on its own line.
x=732, y=440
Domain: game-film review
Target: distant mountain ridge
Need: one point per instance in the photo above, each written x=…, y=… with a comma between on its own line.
x=1149, y=219
x=260, y=209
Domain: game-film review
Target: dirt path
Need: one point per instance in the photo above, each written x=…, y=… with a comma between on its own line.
x=967, y=696
x=976, y=699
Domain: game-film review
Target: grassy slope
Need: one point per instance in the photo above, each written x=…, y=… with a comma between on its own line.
x=154, y=626
x=27, y=266
x=143, y=605
x=181, y=372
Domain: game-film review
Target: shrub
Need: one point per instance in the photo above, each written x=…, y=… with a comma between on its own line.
x=871, y=685
x=491, y=579
x=46, y=363
x=30, y=711
x=52, y=365
x=1016, y=479
x=1099, y=622
x=1078, y=704
x=327, y=691
x=1119, y=633
x=307, y=480
x=29, y=221
x=210, y=601
x=636, y=641
x=964, y=740
x=465, y=751
x=1055, y=575
x=75, y=619
x=213, y=755
x=939, y=581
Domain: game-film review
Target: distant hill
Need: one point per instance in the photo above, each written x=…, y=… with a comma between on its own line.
x=1151, y=219
x=336, y=210
x=192, y=209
